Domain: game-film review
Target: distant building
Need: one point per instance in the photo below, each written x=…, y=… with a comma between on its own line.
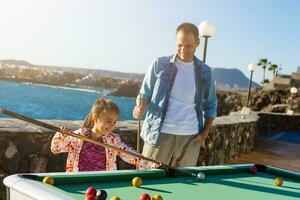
x=295, y=80
x=56, y=73
x=298, y=69
x=285, y=82
x=280, y=82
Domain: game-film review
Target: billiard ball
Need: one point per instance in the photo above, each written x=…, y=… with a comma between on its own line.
x=200, y=176
x=101, y=195
x=48, y=180
x=145, y=197
x=157, y=197
x=90, y=197
x=115, y=198
x=253, y=170
x=278, y=181
x=91, y=191
x=137, y=181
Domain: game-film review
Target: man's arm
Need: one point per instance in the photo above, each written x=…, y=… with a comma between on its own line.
x=210, y=98
x=148, y=82
x=146, y=90
x=210, y=108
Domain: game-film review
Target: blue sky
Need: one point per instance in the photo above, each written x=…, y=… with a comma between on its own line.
x=125, y=35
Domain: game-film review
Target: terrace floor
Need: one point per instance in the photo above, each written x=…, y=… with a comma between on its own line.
x=275, y=153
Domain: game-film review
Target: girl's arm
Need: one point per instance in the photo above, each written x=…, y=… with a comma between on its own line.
x=141, y=164
x=61, y=143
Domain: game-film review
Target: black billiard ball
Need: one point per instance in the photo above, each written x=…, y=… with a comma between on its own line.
x=101, y=195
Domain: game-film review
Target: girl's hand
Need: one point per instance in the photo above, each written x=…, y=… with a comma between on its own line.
x=159, y=166
x=65, y=131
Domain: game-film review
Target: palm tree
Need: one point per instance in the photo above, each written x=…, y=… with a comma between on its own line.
x=263, y=62
x=273, y=68
x=265, y=81
x=278, y=70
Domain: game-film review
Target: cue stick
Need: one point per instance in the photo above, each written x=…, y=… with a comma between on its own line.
x=138, y=140
x=54, y=128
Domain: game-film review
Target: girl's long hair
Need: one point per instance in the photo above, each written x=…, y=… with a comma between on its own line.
x=100, y=106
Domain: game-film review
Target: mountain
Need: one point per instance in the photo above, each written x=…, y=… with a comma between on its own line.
x=224, y=77
x=231, y=78
x=16, y=62
x=98, y=72
x=84, y=71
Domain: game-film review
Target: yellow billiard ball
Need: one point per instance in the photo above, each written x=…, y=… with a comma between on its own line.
x=137, y=181
x=157, y=197
x=278, y=181
x=115, y=198
x=48, y=180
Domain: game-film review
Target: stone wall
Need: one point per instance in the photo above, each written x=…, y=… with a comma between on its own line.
x=230, y=137
x=278, y=122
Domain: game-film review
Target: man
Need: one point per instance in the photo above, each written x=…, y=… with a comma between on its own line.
x=176, y=91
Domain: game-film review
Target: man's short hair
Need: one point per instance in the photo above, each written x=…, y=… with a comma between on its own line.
x=188, y=28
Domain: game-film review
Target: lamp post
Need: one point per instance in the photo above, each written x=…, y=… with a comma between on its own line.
x=206, y=30
x=293, y=91
x=251, y=68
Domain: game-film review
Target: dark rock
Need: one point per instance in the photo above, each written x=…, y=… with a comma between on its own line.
x=12, y=164
x=228, y=102
x=279, y=108
x=128, y=89
x=266, y=100
x=24, y=166
x=3, y=174
x=38, y=164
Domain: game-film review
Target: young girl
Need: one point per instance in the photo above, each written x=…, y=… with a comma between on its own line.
x=98, y=125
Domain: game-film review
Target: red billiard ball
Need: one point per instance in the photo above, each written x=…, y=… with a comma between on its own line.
x=253, y=170
x=145, y=197
x=90, y=197
x=91, y=191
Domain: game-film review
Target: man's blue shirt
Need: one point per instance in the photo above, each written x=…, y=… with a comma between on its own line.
x=156, y=89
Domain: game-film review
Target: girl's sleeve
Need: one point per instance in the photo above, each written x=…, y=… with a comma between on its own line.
x=61, y=144
x=138, y=162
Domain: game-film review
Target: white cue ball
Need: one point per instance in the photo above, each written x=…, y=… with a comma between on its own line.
x=200, y=176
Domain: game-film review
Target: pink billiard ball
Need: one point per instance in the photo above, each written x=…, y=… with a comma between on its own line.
x=91, y=191
x=253, y=170
x=145, y=197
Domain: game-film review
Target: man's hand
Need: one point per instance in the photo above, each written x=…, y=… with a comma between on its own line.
x=200, y=137
x=139, y=109
x=138, y=112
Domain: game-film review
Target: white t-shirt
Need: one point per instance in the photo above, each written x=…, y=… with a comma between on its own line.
x=181, y=116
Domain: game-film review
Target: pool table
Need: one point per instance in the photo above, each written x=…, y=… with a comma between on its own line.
x=221, y=182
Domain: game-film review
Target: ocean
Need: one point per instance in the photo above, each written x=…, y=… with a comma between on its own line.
x=53, y=102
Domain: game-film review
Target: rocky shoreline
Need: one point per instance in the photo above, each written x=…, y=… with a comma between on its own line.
x=277, y=101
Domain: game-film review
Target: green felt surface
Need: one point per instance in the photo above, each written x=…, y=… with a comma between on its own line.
x=227, y=183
